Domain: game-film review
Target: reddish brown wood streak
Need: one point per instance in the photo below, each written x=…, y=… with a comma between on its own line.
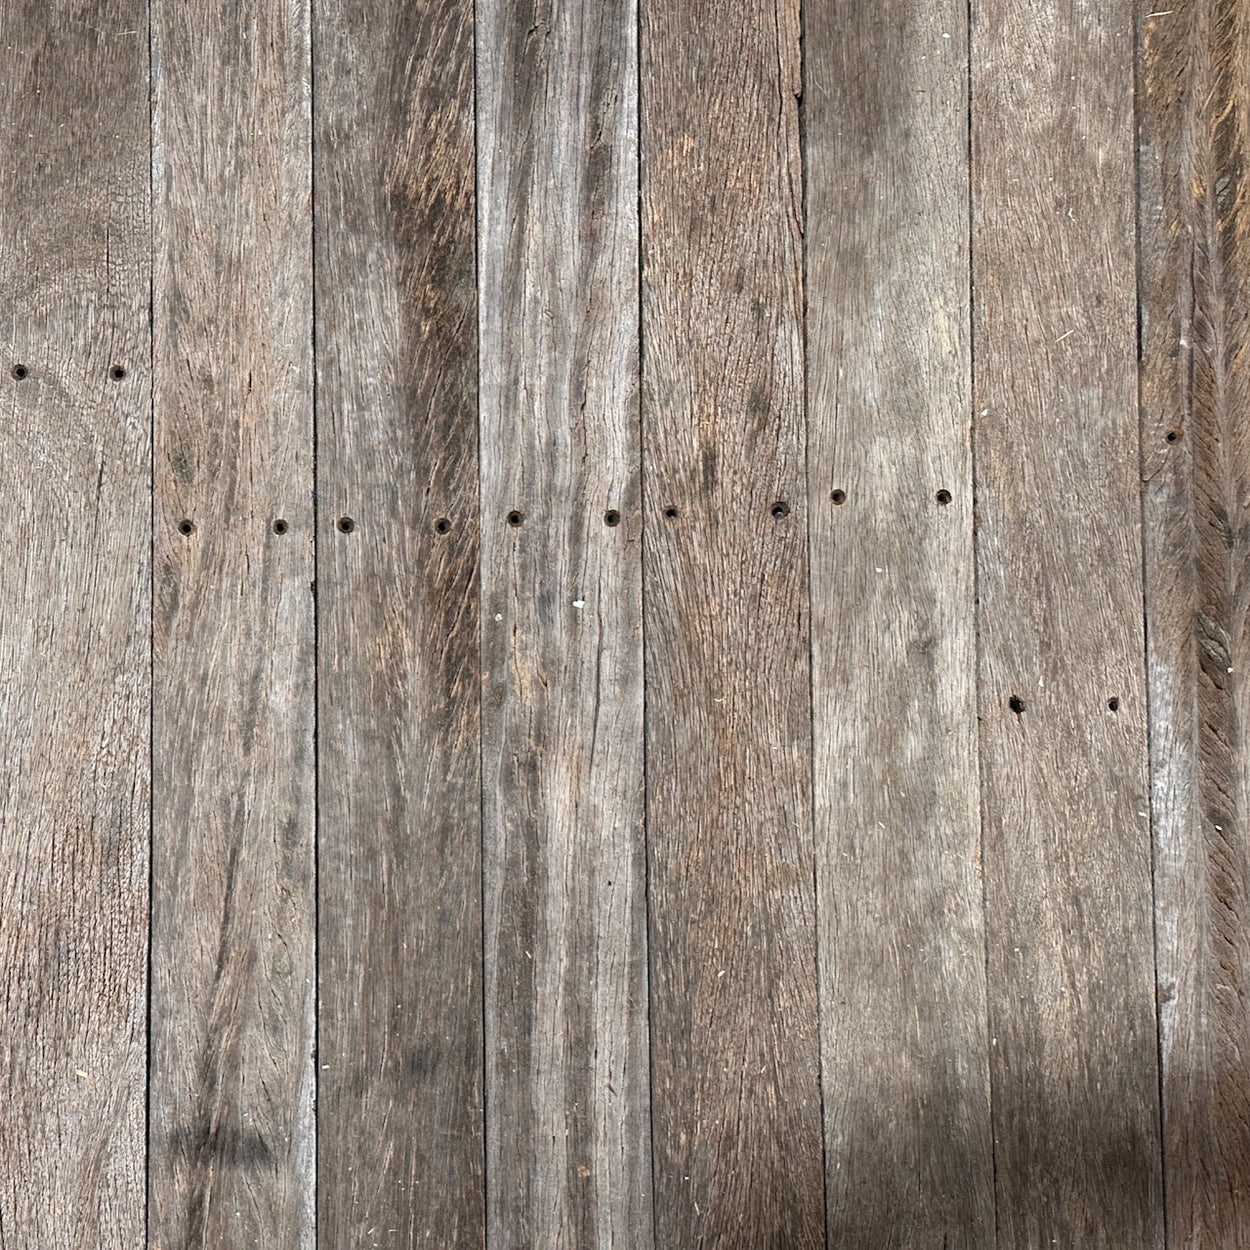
x=1194, y=79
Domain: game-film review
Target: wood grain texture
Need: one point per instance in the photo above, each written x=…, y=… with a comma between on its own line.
x=74, y=624
x=1194, y=79
x=735, y=1036
x=400, y=1067
x=568, y=1127
x=231, y=1133
x=1067, y=849
x=905, y=1049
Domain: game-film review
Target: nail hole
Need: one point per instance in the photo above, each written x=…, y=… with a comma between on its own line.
x=1016, y=703
x=1113, y=704
x=943, y=497
x=670, y=512
x=279, y=526
x=780, y=509
x=611, y=517
x=117, y=372
x=1173, y=435
x=515, y=518
x=185, y=526
x=838, y=497
x=442, y=525
x=20, y=371
x=346, y=524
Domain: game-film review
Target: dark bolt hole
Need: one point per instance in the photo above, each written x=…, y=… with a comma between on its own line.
x=1016, y=703
x=185, y=526
x=943, y=497
x=611, y=517
x=670, y=512
x=279, y=526
x=20, y=371
x=442, y=525
x=515, y=518
x=838, y=497
x=1113, y=704
x=780, y=509
x=1173, y=435
x=117, y=372
x=346, y=524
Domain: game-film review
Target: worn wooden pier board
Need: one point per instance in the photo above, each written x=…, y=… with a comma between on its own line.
x=400, y=1113
x=568, y=1124
x=1062, y=689
x=74, y=624
x=231, y=1105
x=1194, y=79
x=736, y=1117
x=897, y=796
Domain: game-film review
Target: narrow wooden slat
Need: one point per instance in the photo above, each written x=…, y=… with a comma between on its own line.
x=1195, y=314
x=231, y=1131
x=735, y=1037
x=568, y=1128
x=905, y=1055
x=1067, y=850
x=74, y=623
x=400, y=1042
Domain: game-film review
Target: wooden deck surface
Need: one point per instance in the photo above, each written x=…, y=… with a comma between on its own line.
x=625, y=624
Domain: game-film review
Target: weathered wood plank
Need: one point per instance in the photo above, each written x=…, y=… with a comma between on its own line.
x=400, y=1068
x=74, y=623
x=898, y=821
x=231, y=1133
x=1067, y=851
x=1195, y=315
x=568, y=1127
x=735, y=1035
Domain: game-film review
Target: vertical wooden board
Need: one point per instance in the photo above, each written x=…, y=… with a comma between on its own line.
x=1194, y=79
x=400, y=1031
x=905, y=1051
x=1067, y=851
x=74, y=623
x=735, y=1037
x=231, y=1133
x=568, y=1127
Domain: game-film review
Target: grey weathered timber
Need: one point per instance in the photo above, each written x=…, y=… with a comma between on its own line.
x=231, y=1131
x=1062, y=689
x=735, y=1035
x=74, y=623
x=400, y=1045
x=1194, y=79
x=568, y=1128
x=897, y=811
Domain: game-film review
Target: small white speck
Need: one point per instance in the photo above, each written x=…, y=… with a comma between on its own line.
x=1070, y=333
x=579, y=603
x=879, y=570
x=721, y=973
x=945, y=36
x=985, y=412
x=1228, y=670
x=1219, y=828
x=1143, y=814
x=499, y=616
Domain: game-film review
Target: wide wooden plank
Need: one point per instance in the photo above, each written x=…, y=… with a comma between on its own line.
x=898, y=821
x=400, y=1040
x=1195, y=315
x=74, y=623
x=231, y=1133
x=568, y=1127
x=735, y=1037
x=1062, y=690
